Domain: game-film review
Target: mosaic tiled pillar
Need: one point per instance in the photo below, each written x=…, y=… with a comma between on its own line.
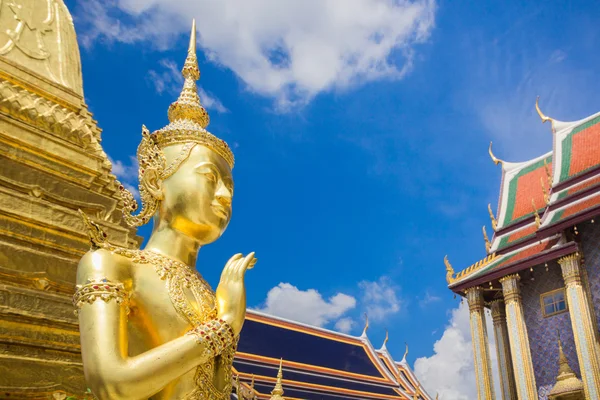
x=518, y=338
x=583, y=327
x=481, y=348
x=507, y=376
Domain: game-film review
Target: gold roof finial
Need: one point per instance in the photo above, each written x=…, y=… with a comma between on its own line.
x=492, y=218
x=366, y=325
x=545, y=192
x=405, y=352
x=488, y=245
x=449, y=271
x=277, y=392
x=538, y=220
x=495, y=159
x=541, y=114
x=387, y=337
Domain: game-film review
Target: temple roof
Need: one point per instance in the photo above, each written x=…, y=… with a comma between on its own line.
x=318, y=363
x=539, y=199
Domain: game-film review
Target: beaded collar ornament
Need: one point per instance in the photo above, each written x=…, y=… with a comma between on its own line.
x=188, y=120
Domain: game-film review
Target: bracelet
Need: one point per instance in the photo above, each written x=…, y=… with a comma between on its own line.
x=216, y=334
x=102, y=289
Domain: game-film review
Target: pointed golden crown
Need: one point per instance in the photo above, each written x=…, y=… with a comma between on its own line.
x=188, y=119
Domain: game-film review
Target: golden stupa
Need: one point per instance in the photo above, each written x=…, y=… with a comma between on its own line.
x=568, y=386
x=51, y=165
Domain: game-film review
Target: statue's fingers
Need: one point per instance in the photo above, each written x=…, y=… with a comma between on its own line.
x=230, y=266
x=245, y=264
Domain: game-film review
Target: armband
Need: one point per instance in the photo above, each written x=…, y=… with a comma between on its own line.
x=216, y=334
x=101, y=289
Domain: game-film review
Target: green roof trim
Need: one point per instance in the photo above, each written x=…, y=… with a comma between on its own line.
x=567, y=147
x=512, y=191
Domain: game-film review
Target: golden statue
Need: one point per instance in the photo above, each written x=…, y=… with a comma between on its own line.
x=150, y=326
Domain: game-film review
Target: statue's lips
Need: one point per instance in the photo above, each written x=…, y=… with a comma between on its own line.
x=220, y=211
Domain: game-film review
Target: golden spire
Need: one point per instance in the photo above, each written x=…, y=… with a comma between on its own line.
x=488, y=245
x=566, y=381
x=494, y=158
x=188, y=119
x=277, y=392
x=541, y=114
x=492, y=218
x=449, y=270
x=188, y=104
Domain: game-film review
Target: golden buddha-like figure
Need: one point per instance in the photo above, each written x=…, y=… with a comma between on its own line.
x=150, y=326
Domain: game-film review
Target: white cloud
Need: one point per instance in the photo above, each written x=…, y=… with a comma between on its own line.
x=307, y=306
x=290, y=50
x=126, y=172
x=380, y=298
x=428, y=299
x=169, y=80
x=345, y=325
x=450, y=370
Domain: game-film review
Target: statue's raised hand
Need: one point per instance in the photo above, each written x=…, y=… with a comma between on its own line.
x=231, y=292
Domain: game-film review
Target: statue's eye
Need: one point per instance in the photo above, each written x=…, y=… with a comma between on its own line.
x=211, y=176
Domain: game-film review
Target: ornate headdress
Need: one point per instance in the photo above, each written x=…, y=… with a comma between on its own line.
x=188, y=120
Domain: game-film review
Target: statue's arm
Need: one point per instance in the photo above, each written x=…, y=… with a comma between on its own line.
x=110, y=373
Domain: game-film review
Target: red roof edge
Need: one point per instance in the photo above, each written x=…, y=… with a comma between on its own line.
x=520, y=265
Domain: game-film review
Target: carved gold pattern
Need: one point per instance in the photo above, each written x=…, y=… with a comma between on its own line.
x=40, y=36
x=100, y=289
x=474, y=267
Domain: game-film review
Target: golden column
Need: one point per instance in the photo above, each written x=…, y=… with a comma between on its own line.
x=481, y=349
x=507, y=375
x=583, y=327
x=519, y=340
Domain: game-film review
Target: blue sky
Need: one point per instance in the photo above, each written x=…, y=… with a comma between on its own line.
x=360, y=137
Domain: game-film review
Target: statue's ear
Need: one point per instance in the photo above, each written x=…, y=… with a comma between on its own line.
x=152, y=183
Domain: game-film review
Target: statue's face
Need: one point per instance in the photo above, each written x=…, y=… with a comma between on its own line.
x=197, y=197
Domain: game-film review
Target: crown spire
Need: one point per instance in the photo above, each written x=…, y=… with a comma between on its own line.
x=277, y=392
x=188, y=104
x=566, y=381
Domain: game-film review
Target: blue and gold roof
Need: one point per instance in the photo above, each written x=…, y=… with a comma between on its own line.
x=318, y=363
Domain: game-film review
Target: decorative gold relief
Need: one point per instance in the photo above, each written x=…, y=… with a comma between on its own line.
x=100, y=289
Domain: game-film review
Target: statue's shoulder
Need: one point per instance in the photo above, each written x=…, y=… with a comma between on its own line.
x=103, y=260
